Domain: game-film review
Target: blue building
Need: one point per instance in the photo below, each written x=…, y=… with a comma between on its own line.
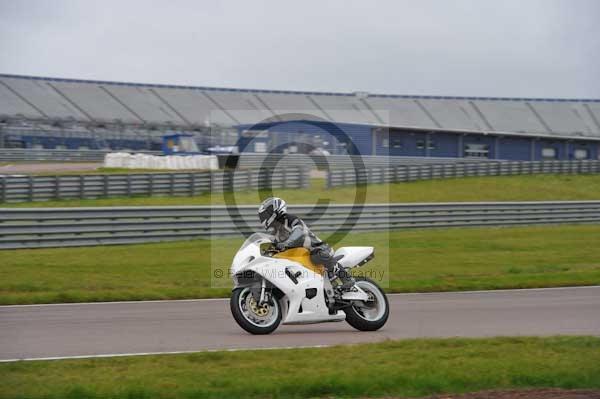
x=303, y=136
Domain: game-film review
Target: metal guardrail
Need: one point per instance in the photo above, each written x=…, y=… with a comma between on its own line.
x=404, y=173
x=44, y=155
x=246, y=160
x=29, y=188
x=326, y=162
x=65, y=227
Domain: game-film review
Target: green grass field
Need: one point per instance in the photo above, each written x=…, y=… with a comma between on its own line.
x=408, y=368
x=504, y=188
x=418, y=260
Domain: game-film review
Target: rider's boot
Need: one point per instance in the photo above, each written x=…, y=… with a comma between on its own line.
x=346, y=279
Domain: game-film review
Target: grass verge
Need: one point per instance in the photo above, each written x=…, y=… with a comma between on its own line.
x=406, y=261
x=503, y=188
x=407, y=368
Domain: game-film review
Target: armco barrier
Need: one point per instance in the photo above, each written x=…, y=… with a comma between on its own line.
x=29, y=188
x=39, y=155
x=246, y=160
x=63, y=227
x=403, y=173
x=327, y=162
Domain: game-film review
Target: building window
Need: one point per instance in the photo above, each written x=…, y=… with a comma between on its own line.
x=260, y=147
x=549, y=153
x=431, y=145
x=476, y=150
x=581, y=153
x=385, y=143
x=396, y=143
x=420, y=144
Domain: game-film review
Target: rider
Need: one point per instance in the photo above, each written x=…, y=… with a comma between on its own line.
x=291, y=232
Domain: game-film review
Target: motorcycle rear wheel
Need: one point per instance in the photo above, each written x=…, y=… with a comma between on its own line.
x=370, y=315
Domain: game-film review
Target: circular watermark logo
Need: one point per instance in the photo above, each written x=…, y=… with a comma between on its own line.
x=275, y=159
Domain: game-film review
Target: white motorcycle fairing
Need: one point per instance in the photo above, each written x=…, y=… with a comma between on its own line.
x=304, y=299
x=299, y=308
x=354, y=256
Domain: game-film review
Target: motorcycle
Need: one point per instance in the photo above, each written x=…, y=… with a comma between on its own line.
x=273, y=287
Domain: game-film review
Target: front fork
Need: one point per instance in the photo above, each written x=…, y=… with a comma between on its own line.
x=263, y=286
x=263, y=294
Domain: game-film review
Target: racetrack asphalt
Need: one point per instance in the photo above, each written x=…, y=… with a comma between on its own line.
x=123, y=328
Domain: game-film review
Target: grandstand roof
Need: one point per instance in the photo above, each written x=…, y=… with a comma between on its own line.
x=87, y=101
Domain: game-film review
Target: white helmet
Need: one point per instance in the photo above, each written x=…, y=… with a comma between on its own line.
x=271, y=209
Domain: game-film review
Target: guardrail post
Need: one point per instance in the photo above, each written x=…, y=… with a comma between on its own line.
x=192, y=179
x=300, y=171
x=3, y=188
x=305, y=176
x=358, y=175
x=128, y=185
x=81, y=186
x=211, y=179
x=172, y=183
x=151, y=184
x=30, y=192
x=249, y=177
x=56, y=188
x=58, y=191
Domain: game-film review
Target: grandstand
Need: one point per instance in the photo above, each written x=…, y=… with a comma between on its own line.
x=37, y=112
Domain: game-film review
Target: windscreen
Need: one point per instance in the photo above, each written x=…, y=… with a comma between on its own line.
x=256, y=238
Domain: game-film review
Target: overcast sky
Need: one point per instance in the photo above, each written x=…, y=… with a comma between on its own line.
x=520, y=48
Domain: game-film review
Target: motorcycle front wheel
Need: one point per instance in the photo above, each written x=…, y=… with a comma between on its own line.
x=255, y=319
x=372, y=314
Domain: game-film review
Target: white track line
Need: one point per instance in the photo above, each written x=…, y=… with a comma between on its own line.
x=226, y=299
x=30, y=359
